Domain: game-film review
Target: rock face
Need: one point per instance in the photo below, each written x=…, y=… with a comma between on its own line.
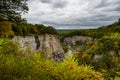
x=25, y=42
x=75, y=43
x=48, y=44
x=76, y=40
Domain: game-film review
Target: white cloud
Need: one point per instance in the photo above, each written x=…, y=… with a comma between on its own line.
x=73, y=13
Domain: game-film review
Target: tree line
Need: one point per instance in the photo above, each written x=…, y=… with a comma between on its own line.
x=11, y=22
x=8, y=29
x=96, y=33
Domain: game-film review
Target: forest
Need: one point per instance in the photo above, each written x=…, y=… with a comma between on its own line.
x=16, y=65
x=105, y=44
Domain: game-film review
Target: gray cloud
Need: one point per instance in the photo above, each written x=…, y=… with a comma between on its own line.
x=59, y=4
x=116, y=8
x=109, y=5
x=55, y=3
x=69, y=14
x=104, y=3
x=45, y=1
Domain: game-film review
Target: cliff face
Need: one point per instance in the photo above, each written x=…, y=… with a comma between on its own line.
x=25, y=42
x=76, y=40
x=75, y=43
x=48, y=44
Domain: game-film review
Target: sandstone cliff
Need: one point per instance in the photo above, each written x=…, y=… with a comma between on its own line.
x=48, y=44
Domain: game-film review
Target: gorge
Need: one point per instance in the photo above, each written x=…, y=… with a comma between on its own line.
x=50, y=45
x=47, y=44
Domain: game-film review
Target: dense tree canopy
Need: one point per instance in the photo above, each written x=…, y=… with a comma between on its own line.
x=26, y=29
x=12, y=9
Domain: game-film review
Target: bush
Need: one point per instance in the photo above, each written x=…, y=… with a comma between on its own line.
x=37, y=67
x=6, y=29
x=65, y=48
x=8, y=47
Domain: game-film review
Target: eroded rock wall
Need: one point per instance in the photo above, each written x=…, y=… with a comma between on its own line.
x=76, y=40
x=48, y=44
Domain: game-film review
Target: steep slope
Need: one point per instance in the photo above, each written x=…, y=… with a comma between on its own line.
x=76, y=40
x=47, y=43
x=75, y=43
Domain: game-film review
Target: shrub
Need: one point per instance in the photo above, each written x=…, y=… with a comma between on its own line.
x=37, y=67
x=65, y=48
x=6, y=29
x=15, y=66
x=8, y=47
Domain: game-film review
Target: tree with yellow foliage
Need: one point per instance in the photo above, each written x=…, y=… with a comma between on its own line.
x=6, y=29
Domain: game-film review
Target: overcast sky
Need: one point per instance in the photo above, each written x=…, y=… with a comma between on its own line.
x=73, y=14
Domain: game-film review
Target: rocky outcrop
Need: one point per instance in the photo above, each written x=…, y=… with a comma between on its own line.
x=75, y=43
x=50, y=45
x=25, y=42
x=76, y=40
x=47, y=44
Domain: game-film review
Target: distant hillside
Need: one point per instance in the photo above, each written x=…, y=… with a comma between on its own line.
x=95, y=33
x=115, y=27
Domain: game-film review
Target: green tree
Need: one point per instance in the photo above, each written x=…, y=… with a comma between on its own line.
x=12, y=9
x=119, y=21
x=51, y=30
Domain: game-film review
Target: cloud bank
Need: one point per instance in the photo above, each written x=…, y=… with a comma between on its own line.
x=73, y=14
